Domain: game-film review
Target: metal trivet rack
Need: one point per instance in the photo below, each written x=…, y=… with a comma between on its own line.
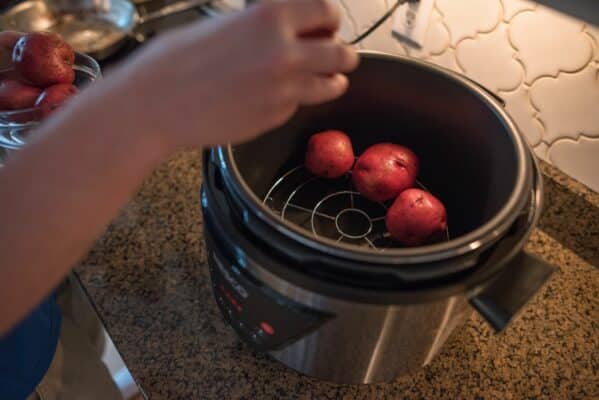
x=331, y=208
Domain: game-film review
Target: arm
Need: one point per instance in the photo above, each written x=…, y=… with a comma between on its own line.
x=60, y=192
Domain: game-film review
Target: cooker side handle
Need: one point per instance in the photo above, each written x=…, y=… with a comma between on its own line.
x=500, y=300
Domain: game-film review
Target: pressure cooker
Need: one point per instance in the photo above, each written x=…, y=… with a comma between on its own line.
x=302, y=268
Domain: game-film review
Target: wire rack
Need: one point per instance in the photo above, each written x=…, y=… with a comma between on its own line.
x=331, y=208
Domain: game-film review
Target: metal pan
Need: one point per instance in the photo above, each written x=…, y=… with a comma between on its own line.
x=98, y=31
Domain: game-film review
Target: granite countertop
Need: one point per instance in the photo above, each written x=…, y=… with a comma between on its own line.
x=149, y=280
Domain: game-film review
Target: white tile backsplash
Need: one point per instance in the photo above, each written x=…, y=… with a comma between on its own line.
x=468, y=18
x=579, y=158
x=543, y=63
x=519, y=107
x=549, y=43
x=446, y=59
x=568, y=105
x=501, y=69
x=513, y=7
x=593, y=32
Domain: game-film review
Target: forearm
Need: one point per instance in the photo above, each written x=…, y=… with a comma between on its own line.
x=226, y=80
x=60, y=192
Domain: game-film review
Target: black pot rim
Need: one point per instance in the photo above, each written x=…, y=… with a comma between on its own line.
x=475, y=240
x=269, y=267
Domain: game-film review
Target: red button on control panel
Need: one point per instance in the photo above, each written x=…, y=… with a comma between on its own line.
x=230, y=298
x=267, y=328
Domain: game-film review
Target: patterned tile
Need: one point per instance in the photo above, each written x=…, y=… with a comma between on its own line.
x=568, y=105
x=490, y=59
x=541, y=151
x=593, y=32
x=519, y=107
x=549, y=42
x=579, y=158
x=446, y=59
x=513, y=7
x=436, y=39
x=467, y=18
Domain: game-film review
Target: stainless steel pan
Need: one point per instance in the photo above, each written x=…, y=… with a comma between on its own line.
x=98, y=28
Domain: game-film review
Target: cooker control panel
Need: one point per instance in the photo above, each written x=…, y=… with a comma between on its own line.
x=261, y=317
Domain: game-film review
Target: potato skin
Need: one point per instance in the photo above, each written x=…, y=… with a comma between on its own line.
x=15, y=95
x=54, y=96
x=416, y=218
x=44, y=59
x=384, y=170
x=330, y=154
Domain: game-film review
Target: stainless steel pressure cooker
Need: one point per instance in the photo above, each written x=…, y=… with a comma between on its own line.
x=302, y=268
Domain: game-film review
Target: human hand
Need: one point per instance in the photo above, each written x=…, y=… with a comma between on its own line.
x=230, y=79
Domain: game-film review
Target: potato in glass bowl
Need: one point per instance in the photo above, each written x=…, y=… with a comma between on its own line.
x=16, y=124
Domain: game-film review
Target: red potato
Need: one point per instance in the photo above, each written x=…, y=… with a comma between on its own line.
x=7, y=43
x=330, y=154
x=44, y=59
x=384, y=170
x=15, y=95
x=416, y=218
x=54, y=96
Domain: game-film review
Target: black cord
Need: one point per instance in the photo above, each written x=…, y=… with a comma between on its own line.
x=380, y=22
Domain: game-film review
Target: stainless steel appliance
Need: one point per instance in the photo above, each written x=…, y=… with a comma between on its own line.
x=98, y=28
x=352, y=307
x=15, y=124
x=76, y=304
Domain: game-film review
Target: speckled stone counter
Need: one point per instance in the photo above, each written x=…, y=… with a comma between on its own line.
x=149, y=280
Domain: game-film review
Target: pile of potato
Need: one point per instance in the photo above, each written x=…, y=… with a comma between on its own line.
x=383, y=172
x=37, y=71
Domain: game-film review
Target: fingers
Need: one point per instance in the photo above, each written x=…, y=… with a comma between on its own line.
x=322, y=33
x=316, y=89
x=327, y=57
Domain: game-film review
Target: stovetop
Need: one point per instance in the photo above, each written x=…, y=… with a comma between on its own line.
x=148, y=31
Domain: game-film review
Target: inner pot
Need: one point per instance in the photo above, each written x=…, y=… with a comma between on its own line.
x=472, y=156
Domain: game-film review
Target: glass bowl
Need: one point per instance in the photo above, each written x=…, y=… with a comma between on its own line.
x=15, y=125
